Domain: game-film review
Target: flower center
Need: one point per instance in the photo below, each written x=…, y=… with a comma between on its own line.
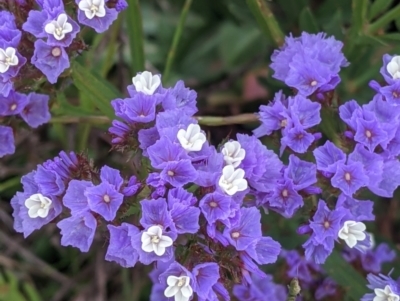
x=368, y=133
x=327, y=224
x=395, y=94
x=13, y=107
x=155, y=239
x=235, y=234
x=106, y=198
x=59, y=31
x=181, y=282
x=313, y=83
x=213, y=204
x=94, y=9
x=283, y=123
x=285, y=193
x=56, y=51
x=347, y=176
x=170, y=173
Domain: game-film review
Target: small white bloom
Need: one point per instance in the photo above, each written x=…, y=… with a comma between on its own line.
x=154, y=241
x=146, y=82
x=394, y=67
x=232, y=180
x=59, y=28
x=93, y=8
x=351, y=232
x=38, y=205
x=192, y=139
x=385, y=294
x=178, y=287
x=233, y=153
x=7, y=58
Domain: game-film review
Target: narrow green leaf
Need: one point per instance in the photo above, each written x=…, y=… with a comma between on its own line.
x=175, y=40
x=378, y=7
x=359, y=15
x=307, y=21
x=99, y=91
x=133, y=17
x=346, y=276
x=266, y=20
x=383, y=21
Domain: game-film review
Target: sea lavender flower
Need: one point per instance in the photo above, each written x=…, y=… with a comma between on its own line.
x=96, y=14
x=384, y=287
x=327, y=288
x=309, y=63
x=7, y=146
x=260, y=289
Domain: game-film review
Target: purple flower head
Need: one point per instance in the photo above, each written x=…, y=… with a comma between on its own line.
x=372, y=163
x=51, y=60
x=297, y=139
x=349, y=177
x=182, y=99
x=360, y=210
x=10, y=36
x=349, y=112
x=75, y=198
x=246, y=230
x=372, y=260
x=328, y=156
x=33, y=210
x=96, y=14
x=260, y=289
x=120, y=247
x=168, y=123
x=10, y=64
x=326, y=223
x=209, y=169
x=165, y=151
x=273, y=117
x=264, y=250
x=78, y=231
x=180, y=196
x=7, y=20
x=302, y=173
x=305, y=111
x=309, y=63
x=49, y=181
x=205, y=275
x=178, y=282
x=155, y=212
x=318, y=250
x=105, y=200
x=61, y=30
x=369, y=133
x=185, y=218
x=141, y=108
x=179, y=173
x=300, y=267
x=390, y=179
x=391, y=93
x=131, y=187
x=215, y=206
x=7, y=146
x=111, y=176
x=121, y=5
x=384, y=287
x=13, y=104
x=285, y=199
x=36, y=112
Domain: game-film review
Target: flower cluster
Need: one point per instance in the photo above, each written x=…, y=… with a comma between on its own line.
x=200, y=221
x=384, y=287
x=21, y=59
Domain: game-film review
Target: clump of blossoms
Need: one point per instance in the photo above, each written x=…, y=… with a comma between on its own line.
x=38, y=39
x=200, y=221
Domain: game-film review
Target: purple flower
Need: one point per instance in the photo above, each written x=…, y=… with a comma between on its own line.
x=178, y=282
x=96, y=14
x=13, y=104
x=349, y=177
x=205, y=275
x=75, y=198
x=309, y=63
x=384, y=287
x=318, y=250
x=300, y=267
x=360, y=210
x=302, y=173
x=369, y=133
x=182, y=99
x=179, y=173
x=391, y=93
x=164, y=151
x=78, y=231
x=390, y=68
x=155, y=212
x=111, y=176
x=120, y=247
x=285, y=199
x=390, y=179
x=215, y=206
x=297, y=139
x=121, y=5
x=209, y=169
x=185, y=218
x=36, y=112
x=246, y=230
x=305, y=111
x=105, y=200
x=327, y=288
x=260, y=289
x=51, y=60
x=131, y=187
x=328, y=156
x=141, y=108
x=7, y=146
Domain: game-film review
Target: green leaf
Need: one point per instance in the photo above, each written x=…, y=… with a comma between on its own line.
x=378, y=7
x=346, y=276
x=359, y=18
x=307, y=21
x=101, y=92
x=133, y=17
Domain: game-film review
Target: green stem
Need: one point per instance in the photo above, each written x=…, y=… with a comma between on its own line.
x=385, y=19
x=217, y=121
x=176, y=39
x=135, y=31
x=13, y=182
x=266, y=20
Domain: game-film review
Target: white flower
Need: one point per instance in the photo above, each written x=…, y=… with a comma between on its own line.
x=154, y=241
x=7, y=59
x=232, y=180
x=233, y=153
x=146, y=82
x=351, y=232
x=385, y=294
x=38, y=205
x=394, y=67
x=192, y=139
x=178, y=287
x=93, y=8
x=58, y=28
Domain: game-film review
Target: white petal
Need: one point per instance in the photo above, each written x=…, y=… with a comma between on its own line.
x=98, y=3
x=101, y=12
x=10, y=51
x=145, y=237
x=171, y=291
x=159, y=250
x=67, y=28
x=187, y=291
x=392, y=67
x=359, y=226
x=62, y=19
x=240, y=184
x=147, y=247
x=192, y=130
x=50, y=28
x=180, y=297
x=232, y=190
x=343, y=235
x=351, y=241
x=2, y=55
x=42, y=212
x=238, y=174
x=172, y=280
x=3, y=67
x=165, y=241
x=359, y=235
x=227, y=171
x=154, y=231
x=84, y=5
x=380, y=292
